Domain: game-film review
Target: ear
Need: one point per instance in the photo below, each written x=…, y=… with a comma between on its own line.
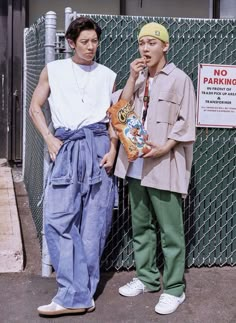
x=71, y=43
x=166, y=47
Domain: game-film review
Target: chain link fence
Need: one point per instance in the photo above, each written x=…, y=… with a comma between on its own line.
x=210, y=208
x=33, y=143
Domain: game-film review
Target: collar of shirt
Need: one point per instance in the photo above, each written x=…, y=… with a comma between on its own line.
x=167, y=69
x=140, y=83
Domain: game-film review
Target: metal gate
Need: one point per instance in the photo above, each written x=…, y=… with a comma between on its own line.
x=11, y=23
x=210, y=208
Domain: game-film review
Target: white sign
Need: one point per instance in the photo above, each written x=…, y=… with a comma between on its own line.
x=216, y=97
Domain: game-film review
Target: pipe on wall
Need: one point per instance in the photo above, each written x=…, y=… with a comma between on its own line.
x=123, y=7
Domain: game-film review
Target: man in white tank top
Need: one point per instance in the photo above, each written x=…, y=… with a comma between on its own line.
x=79, y=193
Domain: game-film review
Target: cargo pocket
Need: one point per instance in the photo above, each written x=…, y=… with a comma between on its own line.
x=59, y=198
x=168, y=107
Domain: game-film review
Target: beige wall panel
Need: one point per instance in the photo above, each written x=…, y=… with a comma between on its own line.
x=228, y=9
x=161, y=8
x=168, y=8
x=38, y=8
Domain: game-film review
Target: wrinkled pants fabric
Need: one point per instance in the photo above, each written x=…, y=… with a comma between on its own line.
x=152, y=208
x=78, y=204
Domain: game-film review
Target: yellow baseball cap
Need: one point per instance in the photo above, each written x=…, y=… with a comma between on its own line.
x=155, y=30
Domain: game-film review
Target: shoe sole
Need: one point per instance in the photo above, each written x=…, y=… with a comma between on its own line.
x=91, y=309
x=68, y=311
x=64, y=311
x=170, y=312
x=133, y=295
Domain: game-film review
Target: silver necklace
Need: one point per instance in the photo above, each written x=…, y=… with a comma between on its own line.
x=85, y=81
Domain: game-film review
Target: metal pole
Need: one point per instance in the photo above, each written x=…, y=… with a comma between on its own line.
x=216, y=9
x=68, y=19
x=122, y=7
x=24, y=102
x=50, y=52
x=50, y=44
x=50, y=36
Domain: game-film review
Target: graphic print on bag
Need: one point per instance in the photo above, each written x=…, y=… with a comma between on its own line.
x=129, y=129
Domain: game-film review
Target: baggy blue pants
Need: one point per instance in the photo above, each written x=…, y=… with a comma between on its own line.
x=78, y=204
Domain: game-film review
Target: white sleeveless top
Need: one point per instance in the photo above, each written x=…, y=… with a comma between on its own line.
x=79, y=94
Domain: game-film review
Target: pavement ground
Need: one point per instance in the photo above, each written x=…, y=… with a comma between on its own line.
x=210, y=294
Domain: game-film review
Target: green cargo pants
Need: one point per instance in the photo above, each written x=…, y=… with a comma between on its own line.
x=149, y=205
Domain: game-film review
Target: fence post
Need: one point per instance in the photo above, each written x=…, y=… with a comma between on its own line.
x=68, y=19
x=50, y=36
x=24, y=102
x=50, y=44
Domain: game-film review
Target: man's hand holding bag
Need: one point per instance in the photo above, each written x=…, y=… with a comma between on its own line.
x=129, y=129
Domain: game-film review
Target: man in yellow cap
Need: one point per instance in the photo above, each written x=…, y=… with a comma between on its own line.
x=164, y=98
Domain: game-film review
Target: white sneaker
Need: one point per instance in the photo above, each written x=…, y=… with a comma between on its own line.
x=134, y=288
x=91, y=308
x=168, y=303
x=56, y=309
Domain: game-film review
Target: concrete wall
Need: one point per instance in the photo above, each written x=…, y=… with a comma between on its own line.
x=165, y=8
x=168, y=8
x=39, y=8
x=228, y=9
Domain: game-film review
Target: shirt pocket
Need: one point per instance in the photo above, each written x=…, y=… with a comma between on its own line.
x=168, y=106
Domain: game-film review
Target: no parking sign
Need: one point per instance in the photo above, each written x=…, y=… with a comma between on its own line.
x=216, y=96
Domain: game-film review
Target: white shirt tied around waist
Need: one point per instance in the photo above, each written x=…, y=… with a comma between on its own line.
x=79, y=94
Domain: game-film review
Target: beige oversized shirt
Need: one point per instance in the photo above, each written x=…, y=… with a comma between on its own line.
x=171, y=115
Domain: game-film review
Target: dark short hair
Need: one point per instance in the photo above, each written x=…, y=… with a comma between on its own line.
x=80, y=24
